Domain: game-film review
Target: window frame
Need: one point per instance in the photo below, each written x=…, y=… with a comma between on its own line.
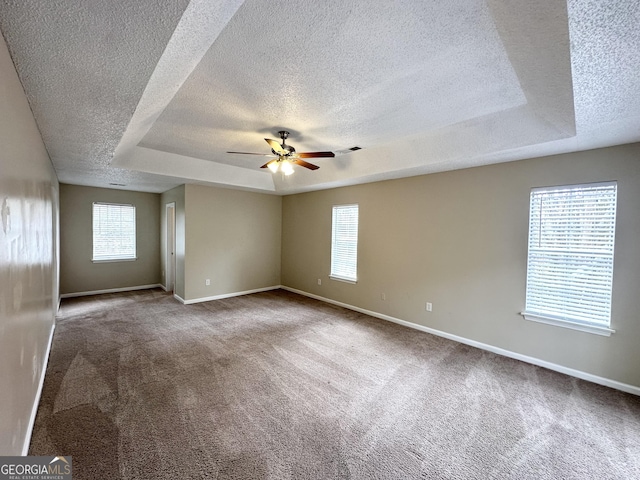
x=605, y=254
x=337, y=275
x=97, y=257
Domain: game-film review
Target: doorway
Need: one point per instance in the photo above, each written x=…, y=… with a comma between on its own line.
x=170, y=279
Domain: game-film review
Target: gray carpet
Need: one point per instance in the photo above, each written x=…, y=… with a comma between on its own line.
x=276, y=385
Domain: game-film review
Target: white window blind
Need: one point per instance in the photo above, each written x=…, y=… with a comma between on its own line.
x=114, y=232
x=570, y=262
x=344, y=243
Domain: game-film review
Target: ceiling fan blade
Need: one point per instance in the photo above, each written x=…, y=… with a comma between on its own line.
x=304, y=164
x=276, y=146
x=251, y=153
x=268, y=163
x=315, y=154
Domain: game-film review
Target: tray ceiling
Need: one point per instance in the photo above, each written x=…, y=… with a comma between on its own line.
x=153, y=93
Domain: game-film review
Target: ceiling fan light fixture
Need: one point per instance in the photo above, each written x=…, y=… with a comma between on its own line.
x=273, y=166
x=286, y=167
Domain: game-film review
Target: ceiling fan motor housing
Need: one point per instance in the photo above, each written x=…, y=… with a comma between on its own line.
x=287, y=148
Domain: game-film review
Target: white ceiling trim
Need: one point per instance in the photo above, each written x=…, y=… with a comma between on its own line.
x=475, y=140
x=217, y=174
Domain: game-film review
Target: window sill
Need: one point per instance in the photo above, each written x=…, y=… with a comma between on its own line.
x=582, y=327
x=111, y=260
x=343, y=279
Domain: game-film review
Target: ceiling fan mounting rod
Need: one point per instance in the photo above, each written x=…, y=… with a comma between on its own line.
x=283, y=135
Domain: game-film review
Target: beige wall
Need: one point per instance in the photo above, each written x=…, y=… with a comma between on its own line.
x=77, y=272
x=459, y=240
x=28, y=258
x=176, y=196
x=233, y=239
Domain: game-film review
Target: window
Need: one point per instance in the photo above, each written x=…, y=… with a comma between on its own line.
x=114, y=232
x=344, y=243
x=570, y=262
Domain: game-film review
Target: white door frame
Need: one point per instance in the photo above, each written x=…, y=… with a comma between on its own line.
x=170, y=278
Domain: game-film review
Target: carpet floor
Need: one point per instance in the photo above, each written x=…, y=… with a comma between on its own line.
x=279, y=386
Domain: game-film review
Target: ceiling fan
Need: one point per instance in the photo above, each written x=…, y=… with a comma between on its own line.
x=287, y=156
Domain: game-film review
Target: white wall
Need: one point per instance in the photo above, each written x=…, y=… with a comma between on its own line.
x=77, y=272
x=459, y=240
x=233, y=239
x=28, y=259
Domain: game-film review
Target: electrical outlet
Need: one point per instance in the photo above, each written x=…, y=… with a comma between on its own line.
x=207, y=282
x=429, y=307
x=319, y=281
x=383, y=296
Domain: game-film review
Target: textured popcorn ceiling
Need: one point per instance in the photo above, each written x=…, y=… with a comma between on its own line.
x=153, y=93
x=409, y=69
x=84, y=65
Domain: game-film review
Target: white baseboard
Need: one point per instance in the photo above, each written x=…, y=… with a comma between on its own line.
x=36, y=403
x=225, y=295
x=625, y=387
x=179, y=298
x=110, y=290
